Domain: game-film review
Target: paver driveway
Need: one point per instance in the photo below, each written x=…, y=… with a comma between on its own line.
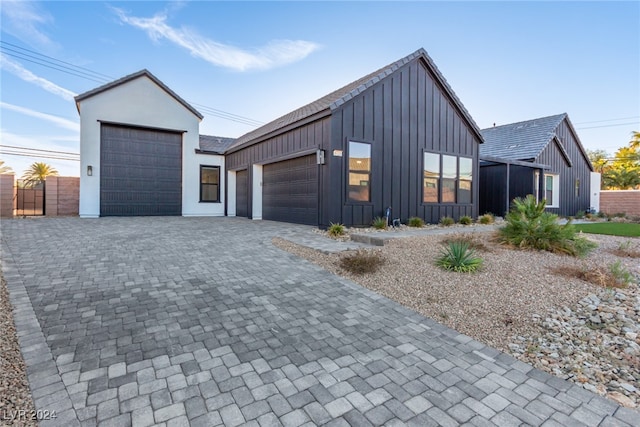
x=203, y=321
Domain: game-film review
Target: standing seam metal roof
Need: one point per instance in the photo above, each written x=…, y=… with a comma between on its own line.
x=338, y=97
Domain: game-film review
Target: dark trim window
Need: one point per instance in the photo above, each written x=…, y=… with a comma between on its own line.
x=431, y=179
x=359, y=179
x=210, y=184
x=465, y=180
x=577, y=187
x=447, y=179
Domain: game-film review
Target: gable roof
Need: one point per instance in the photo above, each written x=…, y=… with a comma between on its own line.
x=215, y=144
x=338, y=97
x=130, y=77
x=521, y=140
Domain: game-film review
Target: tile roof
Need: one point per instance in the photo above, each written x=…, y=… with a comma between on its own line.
x=129, y=78
x=215, y=144
x=522, y=140
x=338, y=97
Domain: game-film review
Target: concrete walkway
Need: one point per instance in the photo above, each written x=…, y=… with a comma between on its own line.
x=203, y=322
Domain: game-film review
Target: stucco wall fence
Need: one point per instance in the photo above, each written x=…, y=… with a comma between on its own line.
x=61, y=196
x=620, y=201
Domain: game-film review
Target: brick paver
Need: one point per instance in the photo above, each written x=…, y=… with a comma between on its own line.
x=140, y=321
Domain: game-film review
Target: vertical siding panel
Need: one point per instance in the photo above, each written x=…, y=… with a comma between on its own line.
x=429, y=115
x=396, y=157
x=387, y=141
x=415, y=124
x=374, y=117
x=405, y=123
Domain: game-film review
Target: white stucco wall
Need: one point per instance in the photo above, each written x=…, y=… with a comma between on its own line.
x=141, y=102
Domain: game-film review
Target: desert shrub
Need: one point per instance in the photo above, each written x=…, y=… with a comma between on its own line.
x=362, y=262
x=471, y=239
x=602, y=214
x=465, y=220
x=379, y=223
x=415, y=221
x=580, y=214
x=458, y=257
x=446, y=221
x=613, y=276
x=487, y=218
x=625, y=250
x=619, y=215
x=588, y=215
x=336, y=230
x=529, y=226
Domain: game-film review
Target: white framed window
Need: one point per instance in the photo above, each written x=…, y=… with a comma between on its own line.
x=552, y=190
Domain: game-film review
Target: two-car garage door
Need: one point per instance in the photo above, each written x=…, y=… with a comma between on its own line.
x=290, y=191
x=140, y=171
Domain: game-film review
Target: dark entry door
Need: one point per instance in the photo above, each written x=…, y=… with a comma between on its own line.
x=242, y=193
x=140, y=171
x=290, y=191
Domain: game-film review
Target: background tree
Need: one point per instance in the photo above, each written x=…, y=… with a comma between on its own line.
x=37, y=173
x=599, y=159
x=635, y=140
x=4, y=168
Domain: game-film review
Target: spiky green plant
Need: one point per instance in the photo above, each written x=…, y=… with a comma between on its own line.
x=465, y=220
x=487, y=218
x=415, y=221
x=529, y=226
x=446, y=221
x=335, y=229
x=456, y=256
x=379, y=222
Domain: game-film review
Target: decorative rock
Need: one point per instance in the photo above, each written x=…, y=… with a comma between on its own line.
x=621, y=399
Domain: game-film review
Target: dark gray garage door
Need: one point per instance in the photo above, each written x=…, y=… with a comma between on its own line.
x=242, y=193
x=290, y=191
x=140, y=171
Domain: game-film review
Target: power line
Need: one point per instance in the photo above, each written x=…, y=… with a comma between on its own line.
x=85, y=73
x=609, y=126
x=38, y=156
x=38, y=149
x=608, y=120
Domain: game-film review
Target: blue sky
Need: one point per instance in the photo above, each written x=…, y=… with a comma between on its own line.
x=506, y=61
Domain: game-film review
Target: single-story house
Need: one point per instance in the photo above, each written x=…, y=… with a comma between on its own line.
x=543, y=157
x=398, y=137
x=141, y=152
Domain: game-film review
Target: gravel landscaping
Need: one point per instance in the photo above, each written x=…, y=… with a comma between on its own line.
x=520, y=304
x=14, y=388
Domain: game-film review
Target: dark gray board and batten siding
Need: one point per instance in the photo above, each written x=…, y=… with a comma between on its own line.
x=580, y=169
x=402, y=116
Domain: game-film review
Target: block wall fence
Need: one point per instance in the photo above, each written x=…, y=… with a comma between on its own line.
x=620, y=201
x=62, y=195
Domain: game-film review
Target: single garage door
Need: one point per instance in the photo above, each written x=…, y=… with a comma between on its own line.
x=242, y=193
x=140, y=171
x=290, y=191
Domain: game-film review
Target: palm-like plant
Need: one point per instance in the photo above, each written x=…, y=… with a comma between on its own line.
x=37, y=173
x=4, y=168
x=458, y=257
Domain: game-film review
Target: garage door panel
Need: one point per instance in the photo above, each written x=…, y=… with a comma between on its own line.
x=141, y=172
x=290, y=191
x=242, y=193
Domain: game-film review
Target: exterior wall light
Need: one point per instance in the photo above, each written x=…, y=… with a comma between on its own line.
x=89, y=170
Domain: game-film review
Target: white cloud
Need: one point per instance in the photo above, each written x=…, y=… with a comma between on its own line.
x=26, y=75
x=58, y=121
x=276, y=53
x=21, y=19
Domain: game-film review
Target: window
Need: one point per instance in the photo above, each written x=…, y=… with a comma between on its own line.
x=431, y=180
x=552, y=190
x=447, y=179
x=464, y=183
x=209, y=183
x=577, y=187
x=359, y=172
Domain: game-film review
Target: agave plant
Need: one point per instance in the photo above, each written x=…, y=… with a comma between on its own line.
x=458, y=257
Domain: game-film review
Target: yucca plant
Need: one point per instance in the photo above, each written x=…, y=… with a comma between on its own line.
x=457, y=256
x=446, y=221
x=465, y=220
x=415, y=221
x=379, y=222
x=335, y=229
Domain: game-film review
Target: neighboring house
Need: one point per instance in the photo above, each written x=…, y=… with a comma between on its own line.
x=141, y=152
x=398, y=137
x=543, y=157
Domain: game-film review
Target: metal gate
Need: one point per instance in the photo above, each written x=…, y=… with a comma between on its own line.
x=29, y=199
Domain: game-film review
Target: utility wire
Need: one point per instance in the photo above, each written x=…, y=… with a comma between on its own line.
x=38, y=156
x=38, y=149
x=608, y=120
x=85, y=73
x=609, y=126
